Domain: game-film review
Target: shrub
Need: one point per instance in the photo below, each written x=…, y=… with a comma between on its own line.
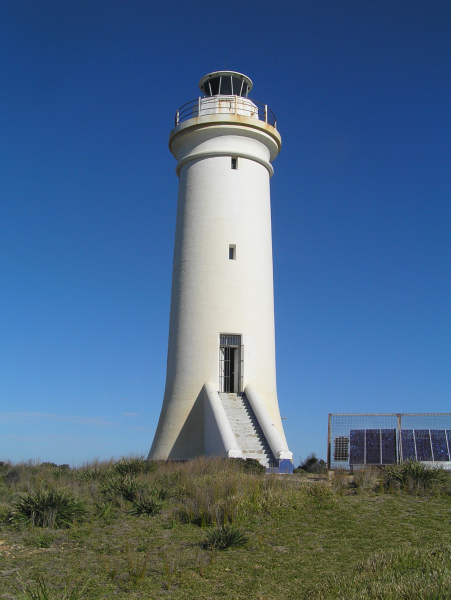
x=133, y=465
x=94, y=473
x=105, y=510
x=5, y=511
x=61, y=471
x=47, y=508
x=149, y=506
x=249, y=465
x=226, y=536
x=127, y=487
x=11, y=476
x=414, y=476
x=312, y=465
x=163, y=492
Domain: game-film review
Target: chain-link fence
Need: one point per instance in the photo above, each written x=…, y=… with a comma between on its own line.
x=357, y=440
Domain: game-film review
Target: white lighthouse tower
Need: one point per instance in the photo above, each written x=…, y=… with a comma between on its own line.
x=221, y=396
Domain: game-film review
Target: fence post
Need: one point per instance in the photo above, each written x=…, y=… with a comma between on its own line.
x=328, y=444
x=177, y=118
x=266, y=113
x=400, y=458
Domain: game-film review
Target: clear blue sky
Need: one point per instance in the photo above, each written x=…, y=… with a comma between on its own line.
x=360, y=202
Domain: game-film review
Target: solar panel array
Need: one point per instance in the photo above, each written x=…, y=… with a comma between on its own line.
x=383, y=439
x=372, y=446
x=426, y=444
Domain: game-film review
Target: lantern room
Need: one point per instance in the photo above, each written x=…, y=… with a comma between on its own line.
x=225, y=83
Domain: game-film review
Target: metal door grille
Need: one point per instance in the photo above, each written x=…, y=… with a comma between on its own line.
x=229, y=354
x=225, y=368
x=230, y=340
x=241, y=369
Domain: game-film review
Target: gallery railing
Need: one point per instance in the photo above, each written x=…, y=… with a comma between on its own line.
x=231, y=105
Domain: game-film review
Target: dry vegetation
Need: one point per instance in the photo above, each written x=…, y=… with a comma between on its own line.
x=216, y=528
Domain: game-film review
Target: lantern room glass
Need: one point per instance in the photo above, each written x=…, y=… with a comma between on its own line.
x=225, y=85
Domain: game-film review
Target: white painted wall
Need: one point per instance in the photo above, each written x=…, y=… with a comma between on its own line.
x=211, y=294
x=219, y=437
x=277, y=443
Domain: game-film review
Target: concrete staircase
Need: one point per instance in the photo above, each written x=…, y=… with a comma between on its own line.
x=248, y=433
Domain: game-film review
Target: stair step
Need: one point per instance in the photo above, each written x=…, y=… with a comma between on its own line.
x=246, y=428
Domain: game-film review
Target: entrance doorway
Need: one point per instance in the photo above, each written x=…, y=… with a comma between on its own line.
x=231, y=355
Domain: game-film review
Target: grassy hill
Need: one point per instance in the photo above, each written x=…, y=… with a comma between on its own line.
x=132, y=529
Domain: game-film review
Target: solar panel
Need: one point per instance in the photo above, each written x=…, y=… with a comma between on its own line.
x=373, y=446
x=388, y=438
x=357, y=447
x=423, y=444
x=439, y=445
x=408, y=444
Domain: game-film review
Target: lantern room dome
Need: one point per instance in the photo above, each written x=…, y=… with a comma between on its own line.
x=225, y=83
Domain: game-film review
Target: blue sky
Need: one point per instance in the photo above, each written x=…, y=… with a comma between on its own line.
x=360, y=204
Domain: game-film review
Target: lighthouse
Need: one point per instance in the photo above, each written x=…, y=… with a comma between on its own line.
x=221, y=397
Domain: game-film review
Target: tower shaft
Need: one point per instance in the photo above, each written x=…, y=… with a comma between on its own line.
x=221, y=332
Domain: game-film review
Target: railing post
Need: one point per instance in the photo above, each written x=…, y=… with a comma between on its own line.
x=198, y=107
x=177, y=118
x=266, y=113
x=235, y=105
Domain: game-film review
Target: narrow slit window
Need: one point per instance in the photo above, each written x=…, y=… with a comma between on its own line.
x=234, y=164
x=232, y=252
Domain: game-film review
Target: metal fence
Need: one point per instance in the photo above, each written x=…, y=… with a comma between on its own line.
x=364, y=439
x=230, y=105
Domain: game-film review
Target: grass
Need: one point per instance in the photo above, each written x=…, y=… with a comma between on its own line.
x=394, y=574
x=150, y=532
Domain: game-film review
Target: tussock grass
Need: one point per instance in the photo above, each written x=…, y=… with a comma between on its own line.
x=413, y=476
x=53, y=508
x=133, y=465
x=143, y=530
x=149, y=506
x=129, y=488
x=367, y=480
x=224, y=537
x=41, y=592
